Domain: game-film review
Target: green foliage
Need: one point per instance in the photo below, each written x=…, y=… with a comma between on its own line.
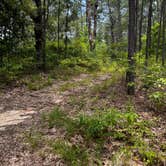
x=118, y=50
x=36, y=82
x=106, y=84
x=78, y=60
x=155, y=83
x=74, y=155
x=148, y=155
x=75, y=49
x=151, y=75
x=15, y=68
x=121, y=126
x=158, y=98
x=154, y=42
x=87, y=63
x=100, y=124
x=34, y=139
x=55, y=117
x=59, y=119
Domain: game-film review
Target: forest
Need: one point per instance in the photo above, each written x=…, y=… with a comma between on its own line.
x=82, y=82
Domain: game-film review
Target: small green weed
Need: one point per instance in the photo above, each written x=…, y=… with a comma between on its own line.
x=105, y=85
x=34, y=139
x=37, y=82
x=74, y=155
x=59, y=119
x=158, y=99
x=68, y=86
x=55, y=117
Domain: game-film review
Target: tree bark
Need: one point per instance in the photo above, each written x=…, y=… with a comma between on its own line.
x=59, y=4
x=88, y=19
x=159, y=32
x=136, y=22
x=140, y=25
x=95, y=24
x=163, y=37
x=39, y=20
x=38, y=29
x=148, y=36
x=81, y=13
x=130, y=75
x=45, y=18
x=66, y=28
x=119, y=20
x=112, y=22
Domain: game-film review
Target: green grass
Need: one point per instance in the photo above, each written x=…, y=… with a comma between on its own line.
x=34, y=139
x=74, y=155
x=125, y=127
x=105, y=85
x=72, y=85
x=37, y=82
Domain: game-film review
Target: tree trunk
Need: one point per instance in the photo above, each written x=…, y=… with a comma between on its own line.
x=88, y=18
x=148, y=36
x=95, y=24
x=136, y=22
x=119, y=20
x=130, y=75
x=45, y=18
x=40, y=36
x=140, y=25
x=163, y=37
x=112, y=22
x=81, y=13
x=59, y=4
x=159, y=32
x=38, y=39
x=66, y=29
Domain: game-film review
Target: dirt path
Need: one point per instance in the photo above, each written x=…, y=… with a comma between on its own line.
x=21, y=108
x=20, y=104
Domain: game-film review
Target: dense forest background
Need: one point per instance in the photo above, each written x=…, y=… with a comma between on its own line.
x=45, y=34
x=44, y=42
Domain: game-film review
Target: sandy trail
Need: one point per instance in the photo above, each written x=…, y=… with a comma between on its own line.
x=19, y=104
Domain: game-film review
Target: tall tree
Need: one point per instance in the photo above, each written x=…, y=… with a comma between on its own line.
x=91, y=17
x=88, y=22
x=136, y=22
x=39, y=15
x=95, y=23
x=38, y=29
x=130, y=75
x=163, y=37
x=140, y=25
x=119, y=25
x=112, y=22
x=58, y=20
x=159, y=31
x=148, y=36
x=66, y=27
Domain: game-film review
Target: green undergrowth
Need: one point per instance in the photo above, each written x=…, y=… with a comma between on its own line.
x=73, y=154
x=16, y=72
x=37, y=82
x=73, y=85
x=133, y=134
x=153, y=81
x=34, y=139
x=106, y=84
